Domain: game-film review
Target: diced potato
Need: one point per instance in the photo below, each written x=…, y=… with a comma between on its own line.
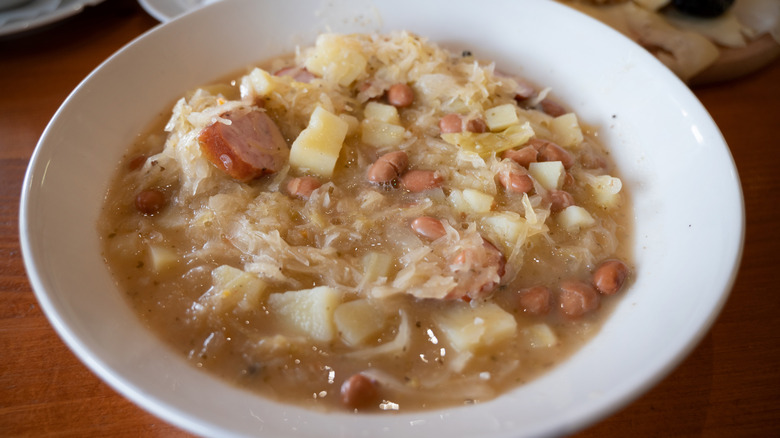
x=487, y=143
x=501, y=117
x=540, y=336
x=548, y=173
x=163, y=258
x=606, y=190
x=471, y=201
x=376, y=265
x=336, y=59
x=456, y=199
x=509, y=226
x=575, y=217
x=308, y=312
x=566, y=130
x=318, y=146
x=259, y=80
x=382, y=113
x=357, y=321
x=381, y=134
x=353, y=124
x=479, y=202
x=469, y=329
x=233, y=287
x=125, y=245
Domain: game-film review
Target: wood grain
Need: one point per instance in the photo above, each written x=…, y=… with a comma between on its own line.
x=728, y=386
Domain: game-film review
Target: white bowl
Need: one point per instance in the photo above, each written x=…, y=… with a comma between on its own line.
x=687, y=201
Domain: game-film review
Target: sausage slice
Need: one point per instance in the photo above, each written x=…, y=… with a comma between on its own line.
x=249, y=147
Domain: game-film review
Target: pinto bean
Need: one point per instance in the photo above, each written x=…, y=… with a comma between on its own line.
x=249, y=147
x=552, y=107
x=515, y=179
x=400, y=95
x=560, y=199
x=428, y=227
x=523, y=156
x=150, y=201
x=417, y=181
x=476, y=126
x=388, y=167
x=359, y=391
x=578, y=298
x=549, y=151
x=610, y=276
x=536, y=300
x=451, y=123
x=302, y=187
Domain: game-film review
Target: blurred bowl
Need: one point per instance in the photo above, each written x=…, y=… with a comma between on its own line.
x=688, y=208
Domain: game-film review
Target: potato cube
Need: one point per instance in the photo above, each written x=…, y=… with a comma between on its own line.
x=381, y=134
x=233, y=287
x=509, y=226
x=307, y=312
x=357, y=321
x=575, y=217
x=468, y=329
x=353, y=124
x=540, y=336
x=566, y=130
x=606, y=190
x=479, y=202
x=382, y=113
x=456, y=199
x=471, y=201
x=163, y=258
x=259, y=82
x=548, y=173
x=501, y=117
x=318, y=146
x=336, y=59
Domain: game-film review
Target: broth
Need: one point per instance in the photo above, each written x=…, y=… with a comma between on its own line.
x=293, y=292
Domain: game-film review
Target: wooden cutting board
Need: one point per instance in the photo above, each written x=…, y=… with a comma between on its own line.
x=736, y=62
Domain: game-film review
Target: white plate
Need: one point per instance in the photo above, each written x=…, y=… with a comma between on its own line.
x=687, y=201
x=166, y=10
x=39, y=13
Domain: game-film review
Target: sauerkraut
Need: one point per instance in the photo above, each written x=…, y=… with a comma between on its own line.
x=447, y=282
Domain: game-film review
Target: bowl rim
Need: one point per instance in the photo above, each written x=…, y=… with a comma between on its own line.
x=184, y=419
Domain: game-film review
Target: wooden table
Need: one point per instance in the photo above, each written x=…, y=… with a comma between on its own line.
x=728, y=386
